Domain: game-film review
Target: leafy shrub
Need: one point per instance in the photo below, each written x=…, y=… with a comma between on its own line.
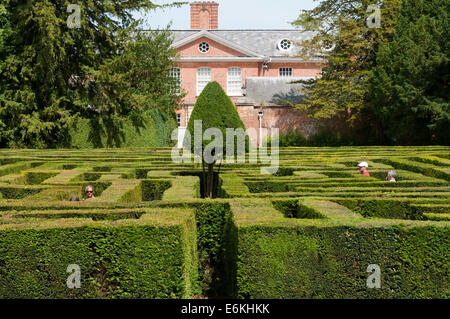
x=154, y=131
x=284, y=171
x=337, y=174
x=323, y=137
x=289, y=138
x=141, y=173
x=101, y=169
x=146, y=190
x=425, y=169
x=327, y=137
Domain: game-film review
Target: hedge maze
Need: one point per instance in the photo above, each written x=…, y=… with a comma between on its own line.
x=309, y=231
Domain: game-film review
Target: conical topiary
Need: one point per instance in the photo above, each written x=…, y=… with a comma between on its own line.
x=216, y=110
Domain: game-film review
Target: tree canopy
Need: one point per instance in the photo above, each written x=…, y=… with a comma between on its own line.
x=390, y=78
x=53, y=74
x=348, y=45
x=409, y=92
x=215, y=110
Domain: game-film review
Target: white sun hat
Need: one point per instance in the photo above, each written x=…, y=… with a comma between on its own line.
x=362, y=164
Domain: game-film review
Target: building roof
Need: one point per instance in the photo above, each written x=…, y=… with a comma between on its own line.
x=261, y=42
x=275, y=90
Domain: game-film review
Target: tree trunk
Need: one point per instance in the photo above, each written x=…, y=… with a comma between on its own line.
x=205, y=188
x=216, y=181
x=210, y=182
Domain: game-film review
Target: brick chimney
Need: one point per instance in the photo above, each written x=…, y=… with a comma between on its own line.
x=204, y=15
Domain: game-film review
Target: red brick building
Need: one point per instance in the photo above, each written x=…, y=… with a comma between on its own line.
x=254, y=67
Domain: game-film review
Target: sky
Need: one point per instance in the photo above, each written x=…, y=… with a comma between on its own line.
x=233, y=14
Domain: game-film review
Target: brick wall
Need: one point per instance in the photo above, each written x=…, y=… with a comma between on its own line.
x=282, y=117
x=205, y=15
x=218, y=73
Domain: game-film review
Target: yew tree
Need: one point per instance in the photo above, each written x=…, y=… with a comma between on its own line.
x=409, y=92
x=58, y=64
x=215, y=110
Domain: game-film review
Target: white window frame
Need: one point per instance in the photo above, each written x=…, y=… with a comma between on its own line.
x=176, y=73
x=178, y=119
x=234, y=81
x=284, y=72
x=203, y=78
x=204, y=47
x=284, y=42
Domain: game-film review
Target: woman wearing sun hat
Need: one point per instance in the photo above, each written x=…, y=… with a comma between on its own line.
x=363, y=168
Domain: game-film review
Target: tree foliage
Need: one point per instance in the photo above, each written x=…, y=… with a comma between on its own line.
x=215, y=110
x=53, y=74
x=409, y=93
x=348, y=44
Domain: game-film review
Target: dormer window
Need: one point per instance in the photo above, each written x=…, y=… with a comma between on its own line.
x=203, y=47
x=284, y=45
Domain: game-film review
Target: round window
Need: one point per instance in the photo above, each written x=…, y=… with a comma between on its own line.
x=284, y=45
x=203, y=47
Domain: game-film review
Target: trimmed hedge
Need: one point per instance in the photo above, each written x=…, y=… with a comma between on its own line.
x=17, y=167
x=155, y=132
x=294, y=209
x=146, y=190
x=116, y=260
x=154, y=189
x=425, y=169
x=331, y=262
x=383, y=209
x=18, y=192
x=93, y=214
x=266, y=186
x=34, y=178
x=214, y=221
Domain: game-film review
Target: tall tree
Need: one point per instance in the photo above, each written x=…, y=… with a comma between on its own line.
x=136, y=81
x=56, y=72
x=348, y=42
x=6, y=32
x=409, y=93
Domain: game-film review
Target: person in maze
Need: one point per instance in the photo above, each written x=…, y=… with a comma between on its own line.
x=363, y=168
x=89, y=192
x=391, y=176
